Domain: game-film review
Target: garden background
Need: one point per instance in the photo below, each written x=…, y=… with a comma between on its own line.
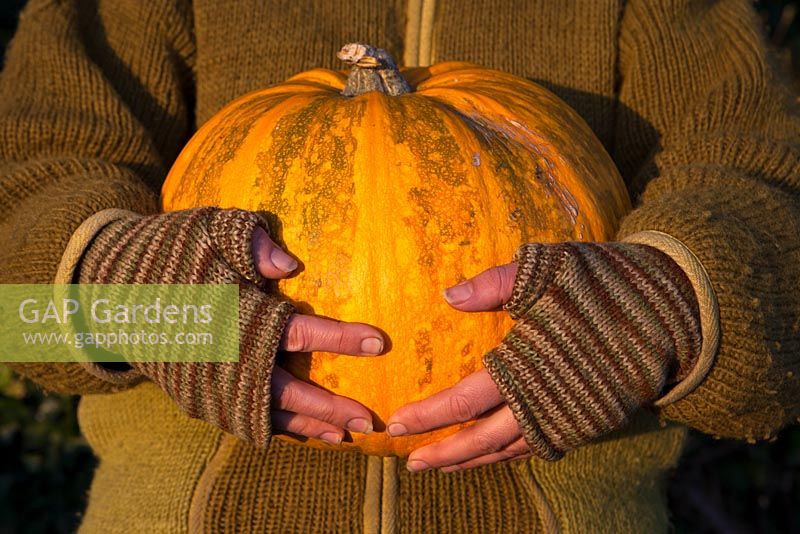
x=721, y=486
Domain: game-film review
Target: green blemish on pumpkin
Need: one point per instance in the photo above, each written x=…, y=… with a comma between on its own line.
x=437, y=152
x=329, y=185
x=424, y=350
x=331, y=381
x=428, y=377
x=466, y=368
x=220, y=147
x=289, y=136
x=315, y=148
x=445, y=203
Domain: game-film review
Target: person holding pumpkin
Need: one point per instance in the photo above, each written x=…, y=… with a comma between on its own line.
x=692, y=310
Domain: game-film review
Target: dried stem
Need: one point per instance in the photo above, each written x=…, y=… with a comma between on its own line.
x=373, y=70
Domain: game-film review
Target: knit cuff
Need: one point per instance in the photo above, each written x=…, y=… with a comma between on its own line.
x=516, y=392
x=76, y=246
x=706, y=300
x=81, y=239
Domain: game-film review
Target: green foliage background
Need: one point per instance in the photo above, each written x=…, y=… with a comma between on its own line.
x=720, y=487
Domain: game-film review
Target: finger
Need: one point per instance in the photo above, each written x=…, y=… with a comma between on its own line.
x=293, y=395
x=303, y=425
x=517, y=450
x=468, y=399
x=308, y=333
x=486, y=291
x=271, y=261
x=487, y=436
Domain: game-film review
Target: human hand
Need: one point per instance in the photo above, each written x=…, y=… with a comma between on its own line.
x=601, y=329
x=496, y=435
x=298, y=407
x=210, y=245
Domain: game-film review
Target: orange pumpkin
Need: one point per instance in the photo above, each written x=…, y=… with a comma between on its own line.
x=390, y=195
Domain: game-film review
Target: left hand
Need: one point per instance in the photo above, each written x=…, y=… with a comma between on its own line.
x=601, y=329
x=497, y=435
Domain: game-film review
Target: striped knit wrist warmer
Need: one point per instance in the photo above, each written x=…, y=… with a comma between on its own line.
x=601, y=329
x=202, y=246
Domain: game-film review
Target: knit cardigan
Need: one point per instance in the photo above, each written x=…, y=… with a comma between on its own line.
x=98, y=97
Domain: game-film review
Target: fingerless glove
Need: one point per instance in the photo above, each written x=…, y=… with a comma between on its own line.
x=209, y=246
x=601, y=329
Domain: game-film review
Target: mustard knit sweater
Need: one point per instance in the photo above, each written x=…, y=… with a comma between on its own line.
x=98, y=97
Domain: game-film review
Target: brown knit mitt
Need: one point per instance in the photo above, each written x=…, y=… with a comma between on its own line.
x=212, y=246
x=601, y=329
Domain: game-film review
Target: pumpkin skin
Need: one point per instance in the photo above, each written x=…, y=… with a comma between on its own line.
x=387, y=200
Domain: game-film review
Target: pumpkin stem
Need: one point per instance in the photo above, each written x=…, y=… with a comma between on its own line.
x=373, y=70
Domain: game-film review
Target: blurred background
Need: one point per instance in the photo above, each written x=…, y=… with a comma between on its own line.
x=721, y=486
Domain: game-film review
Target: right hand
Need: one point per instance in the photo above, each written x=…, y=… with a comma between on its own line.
x=301, y=408
x=250, y=398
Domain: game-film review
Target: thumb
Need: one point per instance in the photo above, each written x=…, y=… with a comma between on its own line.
x=487, y=291
x=241, y=238
x=270, y=260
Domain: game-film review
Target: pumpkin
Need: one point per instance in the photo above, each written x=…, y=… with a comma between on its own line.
x=389, y=185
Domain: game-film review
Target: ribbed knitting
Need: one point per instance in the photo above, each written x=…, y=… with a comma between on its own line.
x=202, y=246
x=601, y=329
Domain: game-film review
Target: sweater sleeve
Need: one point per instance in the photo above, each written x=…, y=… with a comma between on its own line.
x=707, y=141
x=94, y=105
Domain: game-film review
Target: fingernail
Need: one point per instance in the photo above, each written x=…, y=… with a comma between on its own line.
x=417, y=465
x=397, y=429
x=282, y=260
x=331, y=437
x=450, y=469
x=359, y=425
x=372, y=345
x=459, y=293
